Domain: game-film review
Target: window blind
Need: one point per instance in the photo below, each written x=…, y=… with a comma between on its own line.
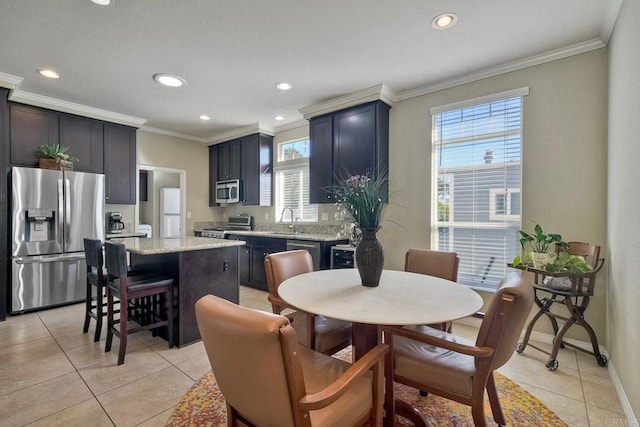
x=476, y=187
x=292, y=182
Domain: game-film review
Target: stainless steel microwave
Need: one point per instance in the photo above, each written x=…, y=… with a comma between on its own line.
x=228, y=191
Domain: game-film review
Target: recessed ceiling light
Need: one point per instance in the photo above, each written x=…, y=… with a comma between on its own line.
x=279, y=118
x=444, y=21
x=203, y=117
x=169, y=80
x=283, y=86
x=102, y=2
x=49, y=73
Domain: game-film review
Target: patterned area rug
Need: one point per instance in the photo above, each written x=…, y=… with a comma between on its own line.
x=203, y=405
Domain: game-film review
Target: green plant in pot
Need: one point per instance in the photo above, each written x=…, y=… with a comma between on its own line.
x=540, y=245
x=55, y=156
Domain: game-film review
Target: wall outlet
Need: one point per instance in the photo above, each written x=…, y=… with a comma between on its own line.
x=224, y=215
x=188, y=215
x=325, y=216
x=266, y=216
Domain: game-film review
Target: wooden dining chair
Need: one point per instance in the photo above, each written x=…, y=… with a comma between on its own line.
x=267, y=378
x=125, y=288
x=319, y=333
x=456, y=368
x=433, y=263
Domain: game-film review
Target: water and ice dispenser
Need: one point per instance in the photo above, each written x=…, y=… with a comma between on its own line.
x=40, y=225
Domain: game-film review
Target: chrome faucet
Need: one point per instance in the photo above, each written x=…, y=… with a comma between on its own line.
x=291, y=226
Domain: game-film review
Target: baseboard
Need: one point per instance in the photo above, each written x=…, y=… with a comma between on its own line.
x=632, y=421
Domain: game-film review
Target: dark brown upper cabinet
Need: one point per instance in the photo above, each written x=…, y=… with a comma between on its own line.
x=256, y=172
x=85, y=140
x=30, y=128
x=352, y=141
x=229, y=160
x=120, y=164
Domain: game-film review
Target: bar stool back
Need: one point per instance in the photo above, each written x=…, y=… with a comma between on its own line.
x=128, y=288
x=95, y=278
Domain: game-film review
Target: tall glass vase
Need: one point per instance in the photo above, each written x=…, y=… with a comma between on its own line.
x=370, y=258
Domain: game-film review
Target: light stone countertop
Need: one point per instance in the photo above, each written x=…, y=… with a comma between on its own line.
x=124, y=235
x=289, y=236
x=156, y=245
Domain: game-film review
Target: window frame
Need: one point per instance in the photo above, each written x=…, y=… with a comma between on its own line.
x=507, y=192
x=299, y=164
x=477, y=272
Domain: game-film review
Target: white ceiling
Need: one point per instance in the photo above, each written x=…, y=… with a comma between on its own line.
x=232, y=52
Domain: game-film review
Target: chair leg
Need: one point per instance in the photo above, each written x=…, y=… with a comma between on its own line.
x=123, y=334
x=107, y=345
x=477, y=410
x=496, y=409
x=87, y=310
x=99, y=312
x=170, y=315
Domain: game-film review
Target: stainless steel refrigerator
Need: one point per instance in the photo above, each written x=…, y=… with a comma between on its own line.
x=51, y=214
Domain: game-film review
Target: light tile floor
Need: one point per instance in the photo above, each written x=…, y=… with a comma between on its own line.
x=51, y=374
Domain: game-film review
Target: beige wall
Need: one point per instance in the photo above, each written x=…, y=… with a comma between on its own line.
x=193, y=157
x=564, y=160
x=623, y=315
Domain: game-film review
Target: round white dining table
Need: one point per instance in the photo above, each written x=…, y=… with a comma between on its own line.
x=401, y=298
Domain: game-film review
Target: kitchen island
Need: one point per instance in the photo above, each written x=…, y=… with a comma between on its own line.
x=199, y=265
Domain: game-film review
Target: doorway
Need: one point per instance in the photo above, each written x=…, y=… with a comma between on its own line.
x=163, y=221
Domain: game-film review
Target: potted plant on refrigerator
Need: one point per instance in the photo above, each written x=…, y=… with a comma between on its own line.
x=55, y=156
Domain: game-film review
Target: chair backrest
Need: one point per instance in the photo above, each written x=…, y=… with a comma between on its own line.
x=591, y=253
x=116, y=259
x=280, y=266
x=503, y=322
x=432, y=263
x=93, y=254
x=246, y=356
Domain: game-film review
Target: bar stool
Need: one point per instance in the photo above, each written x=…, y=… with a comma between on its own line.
x=125, y=288
x=96, y=277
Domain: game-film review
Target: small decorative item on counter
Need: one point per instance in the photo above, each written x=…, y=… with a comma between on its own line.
x=55, y=156
x=361, y=199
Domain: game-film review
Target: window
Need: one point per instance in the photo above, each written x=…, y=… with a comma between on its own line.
x=477, y=180
x=504, y=203
x=292, y=181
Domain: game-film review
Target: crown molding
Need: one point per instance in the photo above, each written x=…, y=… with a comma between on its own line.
x=609, y=19
x=379, y=92
x=9, y=81
x=73, y=108
x=531, y=61
x=173, y=134
x=240, y=132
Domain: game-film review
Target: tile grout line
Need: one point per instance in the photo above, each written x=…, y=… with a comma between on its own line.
x=79, y=375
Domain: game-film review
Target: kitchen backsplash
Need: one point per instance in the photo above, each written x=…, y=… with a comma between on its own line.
x=327, y=229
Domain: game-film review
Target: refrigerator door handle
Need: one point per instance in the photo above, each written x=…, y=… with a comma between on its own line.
x=67, y=211
x=40, y=260
x=59, y=225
